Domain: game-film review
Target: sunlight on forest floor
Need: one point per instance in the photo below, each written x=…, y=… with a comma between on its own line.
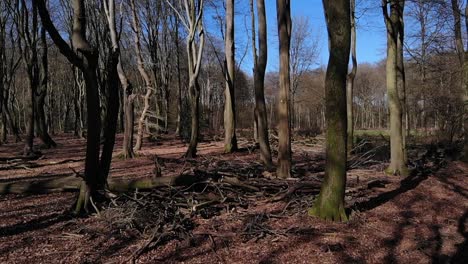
x=418, y=219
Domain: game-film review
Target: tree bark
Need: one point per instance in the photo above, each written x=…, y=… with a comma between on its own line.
x=350, y=78
x=144, y=75
x=260, y=63
x=230, y=140
x=116, y=69
x=330, y=202
x=397, y=151
x=193, y=22
x=463, y=60
x=41, y=127
x=284, y=128
x=85, y=58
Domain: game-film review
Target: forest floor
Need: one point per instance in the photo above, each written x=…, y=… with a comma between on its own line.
x=419, y=219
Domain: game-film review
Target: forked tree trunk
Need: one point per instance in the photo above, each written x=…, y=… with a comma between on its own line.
x=86, y=59
x=193, y=22
x=284, y=128
x=330, y=202
x=260, y=62
x=230, y=140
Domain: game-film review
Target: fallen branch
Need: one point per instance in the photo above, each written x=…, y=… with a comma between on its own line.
x=72, y=183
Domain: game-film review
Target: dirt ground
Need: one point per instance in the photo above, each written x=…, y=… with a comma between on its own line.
x=420, y=219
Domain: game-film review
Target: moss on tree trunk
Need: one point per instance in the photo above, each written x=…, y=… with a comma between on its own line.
x=330, y=202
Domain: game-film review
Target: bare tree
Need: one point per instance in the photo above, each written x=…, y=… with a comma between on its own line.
x=304, y=51
x=26, y=20
x=9, y=63
x=330, y=202
x=40, y=116
x=393, y=22
x=284, y=128
x=127, y=152
x=260, y=62
x=141, y=68
x=193, y=23
x=351, y=77
x=84, y=57
x=462, y=57
x=230, y=140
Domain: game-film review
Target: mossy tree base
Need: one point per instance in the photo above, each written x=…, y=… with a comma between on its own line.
x=83, y=200
x=231, y=147
x=402, y=171
x=329, y=209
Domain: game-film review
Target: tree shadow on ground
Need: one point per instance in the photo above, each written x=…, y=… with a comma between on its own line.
x=461, y=255
x=407, y=184
x=35, y=224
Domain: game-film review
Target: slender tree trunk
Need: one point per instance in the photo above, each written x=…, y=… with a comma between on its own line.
x=463, y=60
x=77, y=101
x=179, y=81
x=193, y=21
x=260, y=63
x=29, y=140
x=350, y=78
x=111, y=115
x=144, y=75
x=397, y=154
x=401, y=78
x=115, y=69
x=284, y=129
x=194, y=92
x=330, y=203
x=40, y=113
x=230, y=140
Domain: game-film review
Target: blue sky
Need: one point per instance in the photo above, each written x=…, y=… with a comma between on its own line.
x=370, y=36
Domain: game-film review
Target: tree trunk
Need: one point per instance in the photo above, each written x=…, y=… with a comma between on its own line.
x=350, y=79
x=77, y=102
x=111, y=115
x=284, y=130
x=128, y=125
x=401, y=78
x=230, y=140
x=260, y=63
x=330, y=202
x=463, y=60
x=85, y=58
x=193, y=21
x=179, y=82
x=397, y=154
x=115, y=70
x=194, y=92
x=144, y=75
x=29, y=139
x=41, y=127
